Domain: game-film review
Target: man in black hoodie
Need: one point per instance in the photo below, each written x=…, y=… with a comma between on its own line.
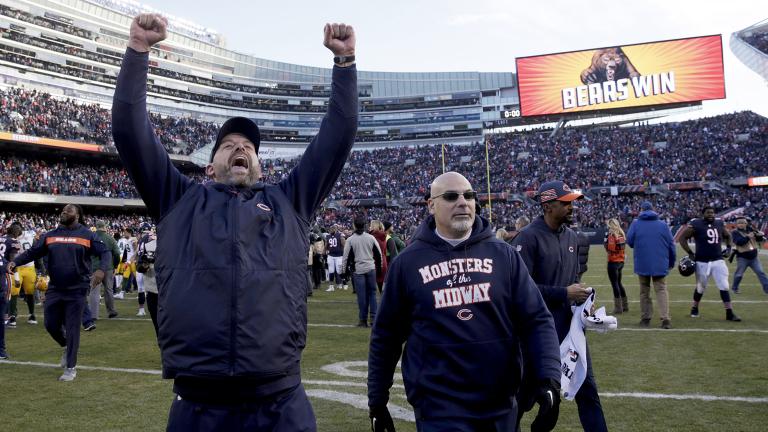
x=463, y=304
x=550, y=251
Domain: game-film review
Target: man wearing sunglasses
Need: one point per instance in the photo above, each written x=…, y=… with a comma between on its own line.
x=550, y=251
x=463, y=304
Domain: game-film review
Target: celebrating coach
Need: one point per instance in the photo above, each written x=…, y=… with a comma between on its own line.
x=231, y=254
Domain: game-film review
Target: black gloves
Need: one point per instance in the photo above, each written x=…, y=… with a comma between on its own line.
x=727, y=252
x=381, y=421
x=548, y=397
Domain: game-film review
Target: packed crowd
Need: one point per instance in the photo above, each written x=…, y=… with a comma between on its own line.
x=759, y=40
x=721, y=147
x=39, y=114
x=715, y=148
x=48, y=219
x=676, y=209
x=68, y=178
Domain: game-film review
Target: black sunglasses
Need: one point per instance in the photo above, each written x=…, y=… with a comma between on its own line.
x=452, y=196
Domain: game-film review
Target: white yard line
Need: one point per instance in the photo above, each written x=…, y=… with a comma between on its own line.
x=694, y=330
x=352, y=384
x=96, y=368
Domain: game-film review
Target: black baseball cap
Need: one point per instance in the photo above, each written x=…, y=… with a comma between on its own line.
x=240, y=125
x=556, y=191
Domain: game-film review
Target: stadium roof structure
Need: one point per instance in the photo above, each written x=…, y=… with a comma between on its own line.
x=749, y=54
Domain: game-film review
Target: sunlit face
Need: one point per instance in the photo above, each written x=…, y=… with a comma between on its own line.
x=68, y=215
x=236, y=162
x=709, y=215
x=452, y=218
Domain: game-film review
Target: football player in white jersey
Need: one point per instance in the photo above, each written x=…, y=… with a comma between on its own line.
x=126, y=270
x=25, y=276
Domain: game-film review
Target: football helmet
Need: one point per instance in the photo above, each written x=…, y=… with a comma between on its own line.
x=41, y=284
x=686, y=267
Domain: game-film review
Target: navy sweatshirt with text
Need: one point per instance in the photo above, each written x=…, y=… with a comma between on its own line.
x=464, y=312
x=69, y=252
x=231, y=261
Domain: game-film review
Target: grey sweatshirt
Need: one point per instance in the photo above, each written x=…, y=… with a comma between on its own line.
x=362, y=247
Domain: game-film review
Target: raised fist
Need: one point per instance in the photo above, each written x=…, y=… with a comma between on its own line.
x=340, y=39
x=147, y=30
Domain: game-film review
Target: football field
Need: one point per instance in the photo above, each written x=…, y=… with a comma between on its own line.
x=704, y=374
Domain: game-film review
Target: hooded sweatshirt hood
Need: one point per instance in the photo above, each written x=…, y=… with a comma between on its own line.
x=481, y=230
x=648, y=215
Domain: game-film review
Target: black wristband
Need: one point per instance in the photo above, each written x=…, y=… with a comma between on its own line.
x=343, y=59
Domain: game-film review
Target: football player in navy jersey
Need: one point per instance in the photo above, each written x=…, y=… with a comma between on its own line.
x=5, y=287
x=708, y=234
x=335, y=254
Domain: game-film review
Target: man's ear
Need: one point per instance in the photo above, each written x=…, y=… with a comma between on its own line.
x=431, y=206
x=209, y=171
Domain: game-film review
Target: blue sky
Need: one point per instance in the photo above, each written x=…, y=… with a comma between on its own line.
x=451, y=35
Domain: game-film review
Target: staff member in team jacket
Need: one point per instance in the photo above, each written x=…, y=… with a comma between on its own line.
x=463, y=304
x=69, y=249
x=550, y=251
x=231, y=254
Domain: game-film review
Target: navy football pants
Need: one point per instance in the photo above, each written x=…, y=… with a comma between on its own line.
x=288, y=412
x=63, y=312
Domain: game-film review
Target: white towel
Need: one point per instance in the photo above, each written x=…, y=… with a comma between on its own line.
x=573, y=349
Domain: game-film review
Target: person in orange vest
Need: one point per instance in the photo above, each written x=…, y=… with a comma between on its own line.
x=615, y=241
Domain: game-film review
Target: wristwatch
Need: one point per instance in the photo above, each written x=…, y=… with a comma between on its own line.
x=343, y=59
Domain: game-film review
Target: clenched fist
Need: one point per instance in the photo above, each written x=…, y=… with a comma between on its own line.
x=147, y=30
x=340, y=39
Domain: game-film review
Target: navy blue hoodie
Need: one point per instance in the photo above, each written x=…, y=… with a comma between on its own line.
x=463, y=313
x=231, y=262
x=553, y=261
x=69, y=252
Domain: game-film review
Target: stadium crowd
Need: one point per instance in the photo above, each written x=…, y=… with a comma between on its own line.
x=67, y=178
x=759, y=40
x=716, y=148
x=39, y=114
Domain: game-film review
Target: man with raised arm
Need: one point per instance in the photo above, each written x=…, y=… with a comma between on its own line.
x=231, y=254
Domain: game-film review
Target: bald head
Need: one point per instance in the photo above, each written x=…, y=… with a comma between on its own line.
x=450, y=181
x=454, y=212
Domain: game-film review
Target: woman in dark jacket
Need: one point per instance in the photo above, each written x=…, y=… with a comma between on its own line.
x=378, y=232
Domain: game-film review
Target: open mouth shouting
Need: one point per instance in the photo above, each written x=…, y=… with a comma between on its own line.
x=239, y=164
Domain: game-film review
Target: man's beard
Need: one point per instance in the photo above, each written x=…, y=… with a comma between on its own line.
x=66, y=220
x=461, y=226
x=224, y=175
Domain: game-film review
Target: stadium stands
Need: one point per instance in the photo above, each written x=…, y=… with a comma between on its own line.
x=195, y=86
x=718, y=148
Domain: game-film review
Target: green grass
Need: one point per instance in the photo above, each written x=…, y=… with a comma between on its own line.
x=631, y=360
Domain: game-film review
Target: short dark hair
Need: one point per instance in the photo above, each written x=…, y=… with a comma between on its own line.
x=359, y=222
x=128, y=230
x=707, y=207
